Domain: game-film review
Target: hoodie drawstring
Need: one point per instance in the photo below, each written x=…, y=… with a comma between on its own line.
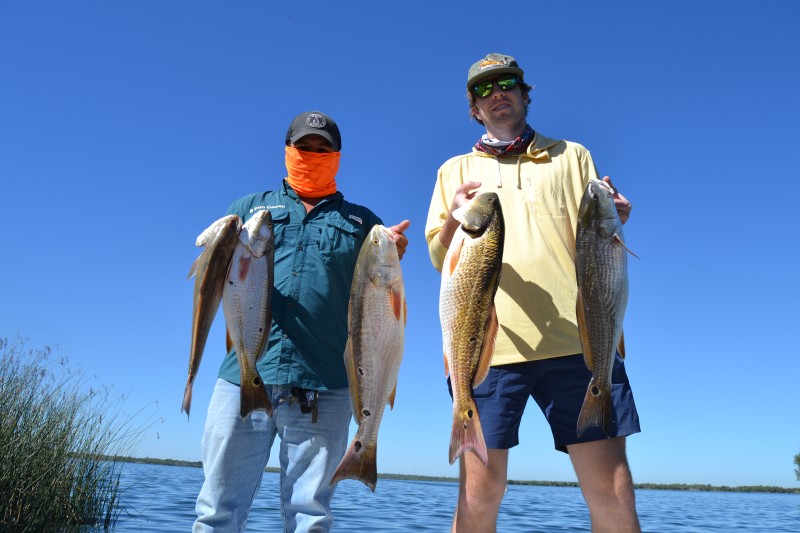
x=499, y=181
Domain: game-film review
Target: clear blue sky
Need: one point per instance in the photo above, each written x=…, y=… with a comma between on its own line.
x=127, y=127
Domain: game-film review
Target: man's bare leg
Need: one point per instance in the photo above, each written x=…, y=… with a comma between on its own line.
x=480, y=491
x=607, y=485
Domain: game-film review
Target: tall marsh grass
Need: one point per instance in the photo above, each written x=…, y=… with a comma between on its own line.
x=56, y=437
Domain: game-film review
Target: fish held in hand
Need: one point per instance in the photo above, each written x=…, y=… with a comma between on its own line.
x=246, y=303
x=209, y=269
x=374, y=350
x=601, y=266
x=470, y=277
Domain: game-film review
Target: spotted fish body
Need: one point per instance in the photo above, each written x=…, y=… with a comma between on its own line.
x=374, y=350
x=470, y=277
x=602, y=272
x=209, y=270
x=246, y=302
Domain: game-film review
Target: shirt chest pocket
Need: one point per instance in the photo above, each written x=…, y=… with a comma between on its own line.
x=339, y=241
x=281, y=228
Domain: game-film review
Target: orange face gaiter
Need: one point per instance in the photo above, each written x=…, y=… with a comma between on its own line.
x=312, y=174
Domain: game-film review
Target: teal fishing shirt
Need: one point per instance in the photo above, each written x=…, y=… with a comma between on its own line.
x=315, y=257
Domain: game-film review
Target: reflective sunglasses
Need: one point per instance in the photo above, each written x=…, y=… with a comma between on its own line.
x=485, y=88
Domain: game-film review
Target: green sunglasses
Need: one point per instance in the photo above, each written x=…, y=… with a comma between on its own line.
x=485, y=88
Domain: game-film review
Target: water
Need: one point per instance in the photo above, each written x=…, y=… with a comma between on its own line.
x=161, y=498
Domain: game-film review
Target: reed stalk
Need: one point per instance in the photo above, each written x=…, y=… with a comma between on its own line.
x=58, y=438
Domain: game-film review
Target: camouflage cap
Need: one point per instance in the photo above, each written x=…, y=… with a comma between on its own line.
x=492, y=65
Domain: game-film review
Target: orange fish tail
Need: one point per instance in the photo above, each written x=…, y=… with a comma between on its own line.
x=467, y=434
x=359, y=462
x=596, y=410
x=254, y=397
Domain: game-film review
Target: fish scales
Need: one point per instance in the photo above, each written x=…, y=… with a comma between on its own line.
x=602, y=274
x=209, y=270
x=246, y=303
x=470, y=277
x=374, y=351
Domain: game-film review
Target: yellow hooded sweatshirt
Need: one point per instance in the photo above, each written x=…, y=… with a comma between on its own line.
x=540, y=192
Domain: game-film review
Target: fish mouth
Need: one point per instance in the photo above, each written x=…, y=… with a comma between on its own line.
x=474, y=231
x=608, y=188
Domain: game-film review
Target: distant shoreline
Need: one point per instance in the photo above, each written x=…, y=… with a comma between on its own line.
x=406, y=477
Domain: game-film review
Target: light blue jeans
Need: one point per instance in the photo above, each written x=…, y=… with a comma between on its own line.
x=236, y=451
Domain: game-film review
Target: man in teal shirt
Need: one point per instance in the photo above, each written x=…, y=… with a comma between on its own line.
x=318, y=235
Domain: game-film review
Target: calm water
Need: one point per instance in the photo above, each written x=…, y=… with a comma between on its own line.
x=161, y=498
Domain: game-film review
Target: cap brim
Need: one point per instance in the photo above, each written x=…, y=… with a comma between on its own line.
x=313, y=131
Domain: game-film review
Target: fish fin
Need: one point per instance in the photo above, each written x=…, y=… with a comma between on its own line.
x=596, y=410
x=228, y=341
x=620, y=241
x=621, y=345
x=487, y=350
x=254, y=396
x=396, y=298
x=352, y=380
x=405, y=312
x=244, y=266
x=455, y=255
x=446, y=362
x=359, y=462
x=391, y=397
x=467, y=434
x=193, y=268
x=458, y=214
x=583, y=332
x=187, y=398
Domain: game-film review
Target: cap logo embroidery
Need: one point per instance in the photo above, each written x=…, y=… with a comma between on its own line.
x=315, y=120
x=491, y=63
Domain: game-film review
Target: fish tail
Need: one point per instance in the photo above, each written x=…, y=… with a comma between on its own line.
x=467, y=434
x=187, y=398
x=359, y=462
x=596, y=409
x=254, y=397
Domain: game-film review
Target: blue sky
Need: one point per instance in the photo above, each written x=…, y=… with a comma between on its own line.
x=127, y=127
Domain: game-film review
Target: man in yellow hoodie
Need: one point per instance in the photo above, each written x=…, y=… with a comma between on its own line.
x=540, y=182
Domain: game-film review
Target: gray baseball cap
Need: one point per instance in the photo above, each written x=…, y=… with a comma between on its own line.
x=492, y=65
x=314, y=123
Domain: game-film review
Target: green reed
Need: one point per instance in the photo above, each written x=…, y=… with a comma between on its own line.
x=56, y=437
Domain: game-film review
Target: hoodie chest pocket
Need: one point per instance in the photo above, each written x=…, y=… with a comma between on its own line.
x=339, y=241
x=544, y=194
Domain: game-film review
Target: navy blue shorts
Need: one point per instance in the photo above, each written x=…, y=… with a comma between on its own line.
x=559, y=386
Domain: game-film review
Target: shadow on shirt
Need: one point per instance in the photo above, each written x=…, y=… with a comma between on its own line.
x=548, y=320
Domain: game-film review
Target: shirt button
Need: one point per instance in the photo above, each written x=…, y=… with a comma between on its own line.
x=299, y=246
x=295, y=274
x=285, y=336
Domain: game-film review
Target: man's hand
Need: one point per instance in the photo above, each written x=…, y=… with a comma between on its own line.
x=400, y=240
x=464, y=193
x=622, y=204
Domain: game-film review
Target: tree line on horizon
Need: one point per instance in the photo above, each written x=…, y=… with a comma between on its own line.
x=414, y=477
